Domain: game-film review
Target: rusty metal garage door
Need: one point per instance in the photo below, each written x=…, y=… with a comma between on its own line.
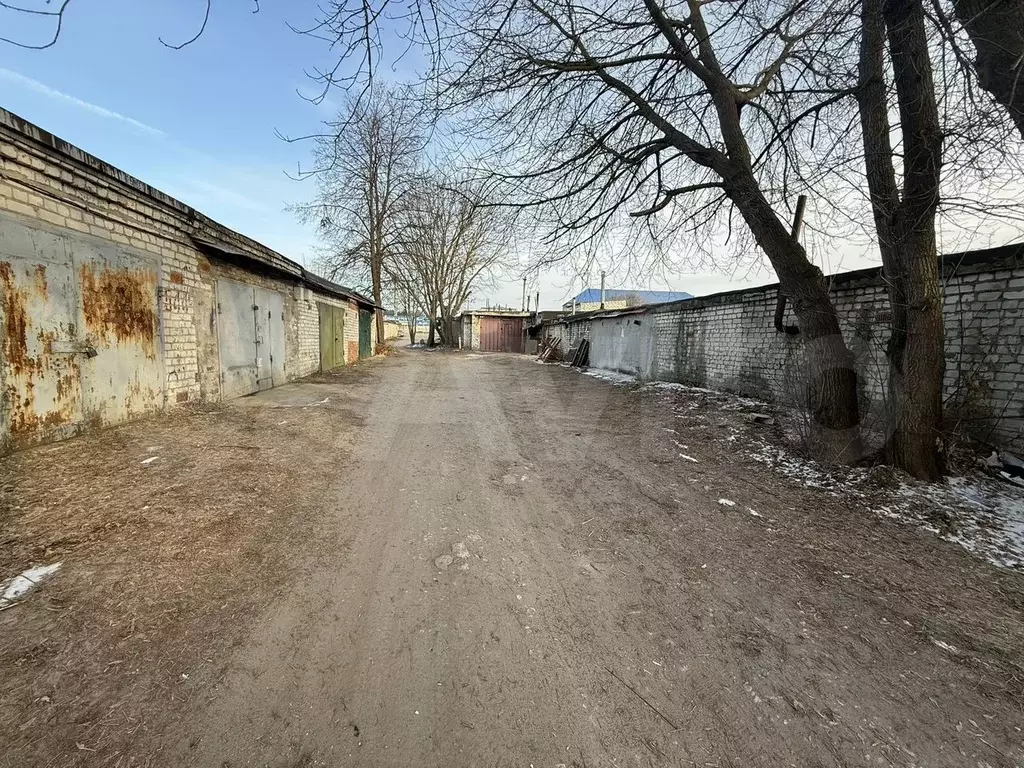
x=501, y=334
x=79, y=321
x=250, y=334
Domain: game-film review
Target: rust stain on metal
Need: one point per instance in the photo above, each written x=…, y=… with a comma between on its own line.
x=119, y=304
x=41, y=285
x=28, y=426
x=69, y=385
x=137, y=396
x=16, y=325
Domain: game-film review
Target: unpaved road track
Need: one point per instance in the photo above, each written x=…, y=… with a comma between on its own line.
x=600, y=606
x=458, y=560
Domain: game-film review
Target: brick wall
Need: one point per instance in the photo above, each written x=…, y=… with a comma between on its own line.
x=728, y=341
x=46, y=181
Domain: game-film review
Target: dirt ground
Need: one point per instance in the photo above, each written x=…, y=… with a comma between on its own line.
x=475, y=560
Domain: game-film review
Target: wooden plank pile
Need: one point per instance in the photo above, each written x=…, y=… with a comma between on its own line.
x=581, y=358
x=549, y=350
x=578, y=354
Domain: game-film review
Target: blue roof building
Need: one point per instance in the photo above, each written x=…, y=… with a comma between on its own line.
x=590, y=298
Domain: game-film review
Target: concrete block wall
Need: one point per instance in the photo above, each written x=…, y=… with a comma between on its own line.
x=728, y=341
x=351, y=334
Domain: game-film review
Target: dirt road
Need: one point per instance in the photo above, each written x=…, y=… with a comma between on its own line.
x=515, y=565
x=516, y=575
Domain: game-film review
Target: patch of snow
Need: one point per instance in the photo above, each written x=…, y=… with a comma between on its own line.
x=754, y=512
x=668, y=386
x=613, y=377
x=727, y=502
x=945, y=646
x=150, y=460
x=834, y=481
x=25, y=582
x=983, y=515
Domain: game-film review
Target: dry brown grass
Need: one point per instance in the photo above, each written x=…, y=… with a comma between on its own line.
x=164, y=565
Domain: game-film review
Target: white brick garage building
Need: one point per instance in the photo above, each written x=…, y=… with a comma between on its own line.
x=117, y=300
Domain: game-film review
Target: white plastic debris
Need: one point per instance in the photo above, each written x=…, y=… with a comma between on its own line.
x=150, y=460
x=21, y=585
x=945, y=646
x=688, y=458
x=727, y=502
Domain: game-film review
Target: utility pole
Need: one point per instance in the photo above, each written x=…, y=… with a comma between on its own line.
x=536, y=304
x=528, y=303
x=524, y=294
x=602, y=289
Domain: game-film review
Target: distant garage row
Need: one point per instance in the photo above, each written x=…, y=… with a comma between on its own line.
x=494, y=330
x=117, y=300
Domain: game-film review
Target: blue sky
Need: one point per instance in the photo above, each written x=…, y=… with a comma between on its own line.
x=200, y=123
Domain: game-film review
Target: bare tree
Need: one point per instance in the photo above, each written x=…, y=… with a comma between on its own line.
x=449, y=245
x=905, y=223
x=659, y=110
x=51, y=14
x=366, y=163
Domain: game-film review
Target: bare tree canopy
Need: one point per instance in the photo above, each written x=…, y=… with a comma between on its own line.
x=450, y=244
x=365, y=173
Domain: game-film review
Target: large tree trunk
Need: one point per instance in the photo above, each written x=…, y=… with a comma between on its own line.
x=916, y=354
x=378, y=314
x=916, y=347
x=996, y=27
x=831, y=395
x=431, y=332
x=906, y=226
x=832, y=379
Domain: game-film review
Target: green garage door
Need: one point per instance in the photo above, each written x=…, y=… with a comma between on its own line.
x=365, y=323
x=332, y=336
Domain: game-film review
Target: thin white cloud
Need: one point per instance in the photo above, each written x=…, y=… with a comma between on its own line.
x=194, y=186
x=53, y=93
